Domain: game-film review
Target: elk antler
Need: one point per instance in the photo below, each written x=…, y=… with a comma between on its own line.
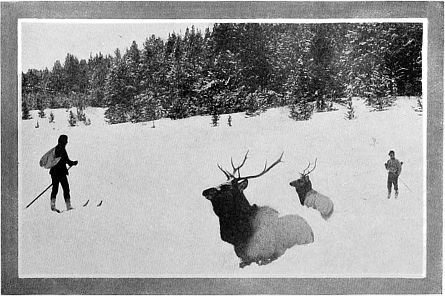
x=306, y=168
x=235, y=169
x=265, y=170
x=306, y=174
x=228, y=175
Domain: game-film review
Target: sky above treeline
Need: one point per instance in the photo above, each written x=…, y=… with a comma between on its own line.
x=43, y=42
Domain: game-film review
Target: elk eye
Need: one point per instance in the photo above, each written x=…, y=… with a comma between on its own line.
x=224, y=187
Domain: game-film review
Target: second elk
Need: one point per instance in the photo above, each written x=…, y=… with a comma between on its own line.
x=310, y=197
x=257, y=233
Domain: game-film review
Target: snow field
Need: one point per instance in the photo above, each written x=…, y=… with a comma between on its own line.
x=154, y=222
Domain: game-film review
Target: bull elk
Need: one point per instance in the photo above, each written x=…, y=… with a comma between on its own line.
x=257, y=233
x=310, y=197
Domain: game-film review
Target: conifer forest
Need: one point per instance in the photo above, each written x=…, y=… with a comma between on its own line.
x=237, y=67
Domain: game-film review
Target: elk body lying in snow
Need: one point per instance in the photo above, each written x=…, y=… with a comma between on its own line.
x=258, y=234
x=311, y=198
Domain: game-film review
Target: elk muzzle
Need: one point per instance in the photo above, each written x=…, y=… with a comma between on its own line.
x=210, y=193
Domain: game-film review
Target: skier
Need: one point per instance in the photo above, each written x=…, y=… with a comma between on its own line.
x=394, y=168
x=59, y=174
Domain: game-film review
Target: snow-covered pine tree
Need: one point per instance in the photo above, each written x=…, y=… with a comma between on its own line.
x=149, y=108
x=81, y=115
x=40, y=107
x=51, y=117
x=215, y=119
x=256, y=103
x=42, y=113
x=301, y=109
x=350, y=114
x=378, y=92
x=419, y=105
x=72, y=120
x=25, y=111
x=121, y=86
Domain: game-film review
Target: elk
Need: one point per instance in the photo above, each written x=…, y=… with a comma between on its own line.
x=257, y=233
x=310, y=197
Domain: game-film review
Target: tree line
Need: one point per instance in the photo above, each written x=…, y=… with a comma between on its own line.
x=238, y=67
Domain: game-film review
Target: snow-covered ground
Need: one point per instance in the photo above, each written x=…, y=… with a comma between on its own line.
x=154, y=221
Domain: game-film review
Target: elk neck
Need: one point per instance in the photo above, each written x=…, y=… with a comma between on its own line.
x=235, y=224
x=302, y=191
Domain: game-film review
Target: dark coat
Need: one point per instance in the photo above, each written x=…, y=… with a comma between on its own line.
x=60, y=168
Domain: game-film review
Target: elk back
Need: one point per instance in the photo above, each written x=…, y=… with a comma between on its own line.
x=319, y=202
x=273, y=235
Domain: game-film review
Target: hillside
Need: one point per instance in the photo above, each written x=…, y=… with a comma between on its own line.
x=154, y=222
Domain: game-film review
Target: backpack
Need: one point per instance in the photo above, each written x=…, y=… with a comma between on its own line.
x=49, y=160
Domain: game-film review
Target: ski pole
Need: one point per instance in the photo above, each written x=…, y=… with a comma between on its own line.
x=405, y=185
x=41, y=193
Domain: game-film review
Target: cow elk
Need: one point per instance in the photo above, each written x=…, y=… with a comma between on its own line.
x=310, y=197
x=257, y=233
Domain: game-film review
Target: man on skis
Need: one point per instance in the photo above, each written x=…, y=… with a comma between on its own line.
x=394, y=168
x=59, y=174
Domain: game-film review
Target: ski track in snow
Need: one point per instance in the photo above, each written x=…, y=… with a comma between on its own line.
x=154, y=222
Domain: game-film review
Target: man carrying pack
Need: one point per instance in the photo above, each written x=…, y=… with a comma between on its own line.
x=394, y=168
x=59, y=174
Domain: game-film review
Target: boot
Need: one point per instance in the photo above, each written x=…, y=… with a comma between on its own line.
x=397, y=194
x=53, y=206
x=68, y=205
x=389, y=194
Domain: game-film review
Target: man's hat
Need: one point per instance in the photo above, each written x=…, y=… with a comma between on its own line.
x=63, y=139
x=391, y=152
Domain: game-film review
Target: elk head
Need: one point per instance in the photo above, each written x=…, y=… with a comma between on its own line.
x=303, y=185
x=228, y=198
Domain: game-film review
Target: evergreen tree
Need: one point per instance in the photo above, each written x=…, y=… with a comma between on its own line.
x=40, y=106
x=42, y=113
x=57, y=78
x=98, y=69
x=25, y=111
x=51, y=117
x=215, y=119
x=256, y=103
x=72, y=74
x=320, y=57
x=350, y=114
x=301, y=110
x=120, y=92
x=368, y=49
x=72, y=120
x=419, y=105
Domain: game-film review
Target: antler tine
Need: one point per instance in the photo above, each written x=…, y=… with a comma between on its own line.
x=315, y=165
x=235, y=169
x=265, y=170
x=303, y=174
x=228, y=175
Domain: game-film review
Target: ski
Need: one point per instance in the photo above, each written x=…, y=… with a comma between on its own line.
x=61, y=211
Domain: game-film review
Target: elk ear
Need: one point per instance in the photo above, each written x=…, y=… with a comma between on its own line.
x=243, y=185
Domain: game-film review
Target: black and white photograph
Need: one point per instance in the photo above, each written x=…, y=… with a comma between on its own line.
x=261, y=151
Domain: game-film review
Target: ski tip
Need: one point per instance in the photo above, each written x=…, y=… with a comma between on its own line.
x=100, y=203
x=85, y=204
